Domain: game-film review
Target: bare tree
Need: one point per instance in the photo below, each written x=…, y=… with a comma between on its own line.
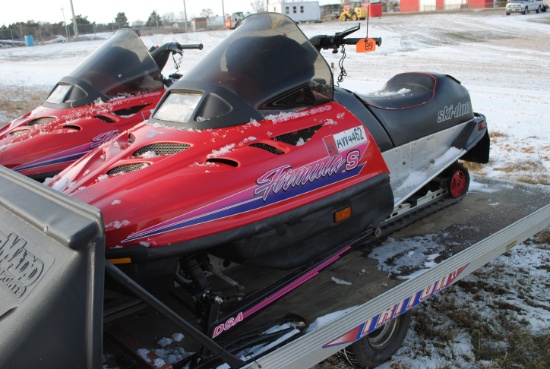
x=207, y=13
x=258, y=6
x=169, y=18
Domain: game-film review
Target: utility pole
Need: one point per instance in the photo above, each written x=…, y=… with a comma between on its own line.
x=223, y=12
x=185, y=15
x=65, y=24
x=75, y=26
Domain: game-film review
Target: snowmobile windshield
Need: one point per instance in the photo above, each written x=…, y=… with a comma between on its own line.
x=122, y=66
x=267, y=65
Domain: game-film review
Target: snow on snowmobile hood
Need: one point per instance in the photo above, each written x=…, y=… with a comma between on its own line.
x=265, y=66
x=122, y=66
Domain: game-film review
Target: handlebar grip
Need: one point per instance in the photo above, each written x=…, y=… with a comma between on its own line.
x=353, y=41
x=190, y=46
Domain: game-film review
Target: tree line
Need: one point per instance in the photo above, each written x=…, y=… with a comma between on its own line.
x=46, y=30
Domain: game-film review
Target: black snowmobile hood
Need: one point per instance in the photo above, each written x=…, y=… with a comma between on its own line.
x=267, y=65
x=120, y=67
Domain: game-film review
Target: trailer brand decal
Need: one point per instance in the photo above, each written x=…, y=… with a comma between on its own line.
x=450, y=112
x=19, y=269
x=276, y=185
x=231, y=322
x=345, y=140
x=394, y=311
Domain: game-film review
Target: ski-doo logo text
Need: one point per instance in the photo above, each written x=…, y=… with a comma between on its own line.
x=18, y=267
x=284, y=177
x=450, y=112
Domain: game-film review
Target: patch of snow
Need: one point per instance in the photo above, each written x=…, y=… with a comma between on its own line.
x=165, y=341
x=341, y=281
x=224, y=150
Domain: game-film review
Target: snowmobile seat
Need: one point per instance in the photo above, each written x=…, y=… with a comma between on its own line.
x=404, y=91
x=414, y=105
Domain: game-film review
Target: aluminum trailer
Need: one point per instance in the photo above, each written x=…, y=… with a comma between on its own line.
x=52, y=271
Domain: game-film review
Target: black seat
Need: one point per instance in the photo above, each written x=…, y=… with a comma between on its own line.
x=414, y=105
x=404, y=91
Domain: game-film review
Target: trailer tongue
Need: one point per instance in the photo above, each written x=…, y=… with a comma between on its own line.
x=52, y=270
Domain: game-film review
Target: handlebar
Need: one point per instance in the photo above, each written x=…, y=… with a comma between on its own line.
x=353, y=41
x=190, y=46
x=335, y=41
x=162, y=53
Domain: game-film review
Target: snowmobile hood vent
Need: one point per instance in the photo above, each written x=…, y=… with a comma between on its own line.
x=130, y=111
x=105, y=118
x=18, y=132
x=71, y=127
x=38, y=121
x=298, y=138
x=127, y=168
x=231, y=163
x=161, y=149
x=267, y=147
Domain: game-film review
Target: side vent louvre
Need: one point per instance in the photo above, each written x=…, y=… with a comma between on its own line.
x=269, y=148
x=40, y=121
x=129, y=111
x=127, y=168
x=105, y=118
x=229, y=162
x=161, y=149
x=18, y=132
x=298, y=138
x=71, y=127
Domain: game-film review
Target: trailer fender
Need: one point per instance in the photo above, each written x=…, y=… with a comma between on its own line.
x=51, y=277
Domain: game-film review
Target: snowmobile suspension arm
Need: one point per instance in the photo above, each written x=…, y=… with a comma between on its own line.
x=158, y=305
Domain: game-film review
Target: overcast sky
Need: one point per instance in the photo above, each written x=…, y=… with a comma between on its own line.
x=105, y=11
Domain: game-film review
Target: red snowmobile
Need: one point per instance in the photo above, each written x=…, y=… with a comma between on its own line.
x=255, y=157
x=115, y=88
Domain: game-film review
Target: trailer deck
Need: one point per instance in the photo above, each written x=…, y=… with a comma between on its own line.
x=65, y=238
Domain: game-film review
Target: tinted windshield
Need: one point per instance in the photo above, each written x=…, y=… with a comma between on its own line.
x=267, y=63
x=121, y=66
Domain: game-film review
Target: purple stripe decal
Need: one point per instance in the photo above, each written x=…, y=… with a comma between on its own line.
x=296, y=283
x=276, y=185
x=61, y=157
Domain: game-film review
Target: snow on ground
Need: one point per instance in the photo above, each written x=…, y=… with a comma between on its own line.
x=503, y=61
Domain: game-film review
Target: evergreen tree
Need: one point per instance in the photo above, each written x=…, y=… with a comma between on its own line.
x=121, y=20
x=80, y=20
x=154, y=20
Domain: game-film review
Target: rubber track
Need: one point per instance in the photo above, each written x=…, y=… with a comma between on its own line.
x=417, y=214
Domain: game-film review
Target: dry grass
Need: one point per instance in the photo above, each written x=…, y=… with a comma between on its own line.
x=543, y=237
x=16, y=101
x=501, y=341
x=532, y=170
